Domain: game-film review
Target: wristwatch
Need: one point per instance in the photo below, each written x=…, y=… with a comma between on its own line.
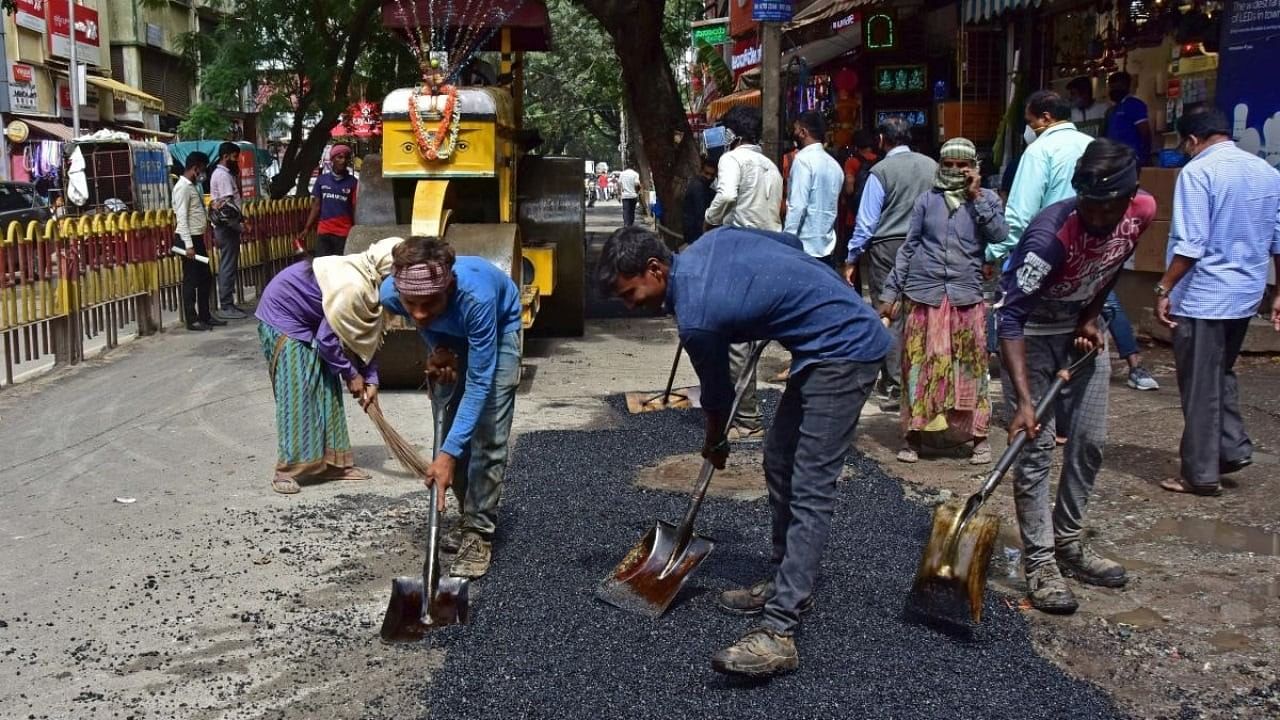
x=1161, y=291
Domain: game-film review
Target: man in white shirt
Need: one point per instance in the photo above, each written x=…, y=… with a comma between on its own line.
x=748, y=195
x=629, y=191
x=1084, y=109
x=814, y=189
x=191, y=223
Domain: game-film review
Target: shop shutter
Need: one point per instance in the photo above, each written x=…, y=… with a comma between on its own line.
x=117, y=63
x=169, y=79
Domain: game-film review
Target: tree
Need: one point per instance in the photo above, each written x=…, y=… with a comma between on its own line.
x=640, y=30
x=301, y=55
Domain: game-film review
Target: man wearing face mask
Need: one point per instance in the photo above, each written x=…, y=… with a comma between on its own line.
x=1055, y=288
x=1128, y=122
x=1223, y=237
x=224, y=198
x=814, y=191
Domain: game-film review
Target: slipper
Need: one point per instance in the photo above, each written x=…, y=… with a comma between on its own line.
x=1178, y=485
x=348, y=473
x=285, y=485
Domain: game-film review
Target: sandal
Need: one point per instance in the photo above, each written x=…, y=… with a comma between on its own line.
x=908, y=455
x=1178, y=485
x=348, y=473
x=981, y=454
x=285, y=485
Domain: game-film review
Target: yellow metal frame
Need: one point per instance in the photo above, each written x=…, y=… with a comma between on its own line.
x=543, y=260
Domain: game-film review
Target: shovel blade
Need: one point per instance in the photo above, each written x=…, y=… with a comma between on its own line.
x=403, y=620
x=952, y=576
x=679, y=399
x=452, y=603
x=647, y=580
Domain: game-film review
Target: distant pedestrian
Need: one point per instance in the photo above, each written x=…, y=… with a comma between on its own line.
x=1084, y=108
x=857, y=170
x=697, y=198
x=884, y=217
x=1223, y=238
x=814, y=192
x=320, y=326
x=1129, y=122
x=191, y=224
x=629, y=190
x=936, y=284
x=228, y=223
x=1054, y=290
x=602, y=186
x=333, y=205
x=748, y=195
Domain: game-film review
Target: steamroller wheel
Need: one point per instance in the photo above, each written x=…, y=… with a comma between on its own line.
x=551, y=210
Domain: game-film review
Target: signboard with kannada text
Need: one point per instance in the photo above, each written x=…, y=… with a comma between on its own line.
x=717, y=34
x=88, y=32
x=23, y=96
x=772, y=11
x=29, y=14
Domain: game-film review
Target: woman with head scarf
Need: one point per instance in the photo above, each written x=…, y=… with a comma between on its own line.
x=320, y=326
x=468, y=313
x=937, y=284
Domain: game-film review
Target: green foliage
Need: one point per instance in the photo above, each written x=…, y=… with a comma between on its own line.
x=205, y=121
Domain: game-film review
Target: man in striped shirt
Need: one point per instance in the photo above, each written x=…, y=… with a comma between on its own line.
x=1225, y=232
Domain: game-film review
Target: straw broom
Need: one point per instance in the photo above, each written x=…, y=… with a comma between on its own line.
x=401, y=448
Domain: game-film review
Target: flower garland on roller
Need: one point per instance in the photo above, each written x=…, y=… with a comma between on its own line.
x=440, y=143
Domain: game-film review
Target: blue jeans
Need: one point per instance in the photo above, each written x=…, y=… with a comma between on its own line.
x=1119, y=327
x=477, y=479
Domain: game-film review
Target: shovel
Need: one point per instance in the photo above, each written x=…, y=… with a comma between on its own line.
x=650, y=577
x=419, y=604
x=952, y=575
x=642, y=402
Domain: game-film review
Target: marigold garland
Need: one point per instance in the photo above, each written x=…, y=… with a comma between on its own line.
x=436, y=145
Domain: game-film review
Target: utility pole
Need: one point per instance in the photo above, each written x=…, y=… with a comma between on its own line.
x=73, y=83
x=770, y=87
x=4, y=104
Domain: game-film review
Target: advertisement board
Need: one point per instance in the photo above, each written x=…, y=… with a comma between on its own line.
x=88, y=32
x=1251, y=99
x=30, y=14
x=23, y=96
x=772, y=11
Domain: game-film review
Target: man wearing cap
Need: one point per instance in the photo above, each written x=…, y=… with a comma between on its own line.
x=224, y=199
x=468, y=313
x=333, y=206
x=1225, y=233
x=1054, y=291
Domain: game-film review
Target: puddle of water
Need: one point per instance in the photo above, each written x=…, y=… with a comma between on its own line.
x=1217, y=534
x=1225, y=641
x=1141, y=617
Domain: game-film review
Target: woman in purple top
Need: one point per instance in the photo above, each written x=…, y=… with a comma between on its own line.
x=321, y=321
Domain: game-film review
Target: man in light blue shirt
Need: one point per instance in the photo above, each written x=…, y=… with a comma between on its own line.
x=813, y=189
x=1225, y=232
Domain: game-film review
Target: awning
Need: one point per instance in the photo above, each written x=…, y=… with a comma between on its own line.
x=824, y=10
x=52, y=128
x=145, y=133
x=981, y=10
x=120, y=90
x=716, y=108
x=820, y=52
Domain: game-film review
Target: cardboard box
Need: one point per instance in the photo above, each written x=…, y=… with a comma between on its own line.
x=1160, y=183
x=1149, y=257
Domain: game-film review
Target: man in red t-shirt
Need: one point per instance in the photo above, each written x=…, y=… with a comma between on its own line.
x=333, y=208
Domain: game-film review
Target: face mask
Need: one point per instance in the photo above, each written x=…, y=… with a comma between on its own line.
x=1116, y=94
x=1029, y=135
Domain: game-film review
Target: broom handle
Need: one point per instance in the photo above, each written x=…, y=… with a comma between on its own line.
x=704, y=477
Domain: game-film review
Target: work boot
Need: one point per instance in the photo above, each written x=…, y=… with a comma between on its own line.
x=1048, y=592
x=451, y=541
x=760, y=653
x=751, y=600
x=741, y=433
x=474, y=555
x=1079, y=562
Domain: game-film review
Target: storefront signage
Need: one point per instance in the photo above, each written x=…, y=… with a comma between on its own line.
x=915, y=118
x=740, y=22
x=88, y=103
x=364, y=119
x=845, y=23
x=880, y=32
x=30, y=15
x=23, y=96
x=1249, y=97
x=717, y=34
x=155, y=35
x=772, y=11
x=900, y=79
x=746, y=55
x=88, y=32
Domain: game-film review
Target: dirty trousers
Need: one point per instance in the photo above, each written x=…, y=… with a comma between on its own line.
x=478, y=475
x=1213, y=433
x=749, y=416
x=1082, y=405
x=804, y=454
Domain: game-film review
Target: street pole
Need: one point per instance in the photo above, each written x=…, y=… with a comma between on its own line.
x=770, y=87
x=4, y=104
x=73, y=81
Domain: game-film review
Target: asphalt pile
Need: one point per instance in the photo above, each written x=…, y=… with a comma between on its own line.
x=541, y=645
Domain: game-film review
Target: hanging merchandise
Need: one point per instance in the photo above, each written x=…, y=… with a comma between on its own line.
x=77, y=185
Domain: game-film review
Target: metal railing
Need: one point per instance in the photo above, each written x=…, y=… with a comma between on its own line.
x=69, y=284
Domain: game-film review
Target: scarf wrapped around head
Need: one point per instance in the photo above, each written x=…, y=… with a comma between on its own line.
x=349, y=287
x=423, y=279
x=952, y=181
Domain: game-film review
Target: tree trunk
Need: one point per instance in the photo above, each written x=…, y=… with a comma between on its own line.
x=636, y=29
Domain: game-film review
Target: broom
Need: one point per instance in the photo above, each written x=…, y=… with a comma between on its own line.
x=403, y=450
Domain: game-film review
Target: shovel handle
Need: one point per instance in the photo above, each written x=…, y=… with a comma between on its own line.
x=433, y=515
x=671, y=379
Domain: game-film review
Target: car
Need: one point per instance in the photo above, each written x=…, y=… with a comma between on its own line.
x=19, y=202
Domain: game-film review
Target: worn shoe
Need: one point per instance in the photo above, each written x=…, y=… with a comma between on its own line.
x=751, y=601
x=1075, y=560
x=451, y=541
x=198, y=327
x=738, y=433
x=908, y=455
x=474, y=556
x=233, y=313
x=760, y=653
x=1140, y=379
x=1234, y=466
x=214, y=322
x=1048, y=592
x=981, y=454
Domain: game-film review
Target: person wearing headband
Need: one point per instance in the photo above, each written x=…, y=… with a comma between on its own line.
x=1222, y=240
x=468, y=313
x=1055, y=287
x=333, y=206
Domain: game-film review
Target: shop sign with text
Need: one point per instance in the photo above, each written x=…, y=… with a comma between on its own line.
x=88, y=32
x=772, y=11
x=746, y=55
x=88, y=104
x=23, y=96
x=29, y=14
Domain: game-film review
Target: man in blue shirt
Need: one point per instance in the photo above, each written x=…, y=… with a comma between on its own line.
x=737, y=286
x=468, y=313
x=813, y=190
x=1129, y=123
x=1224, y=235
